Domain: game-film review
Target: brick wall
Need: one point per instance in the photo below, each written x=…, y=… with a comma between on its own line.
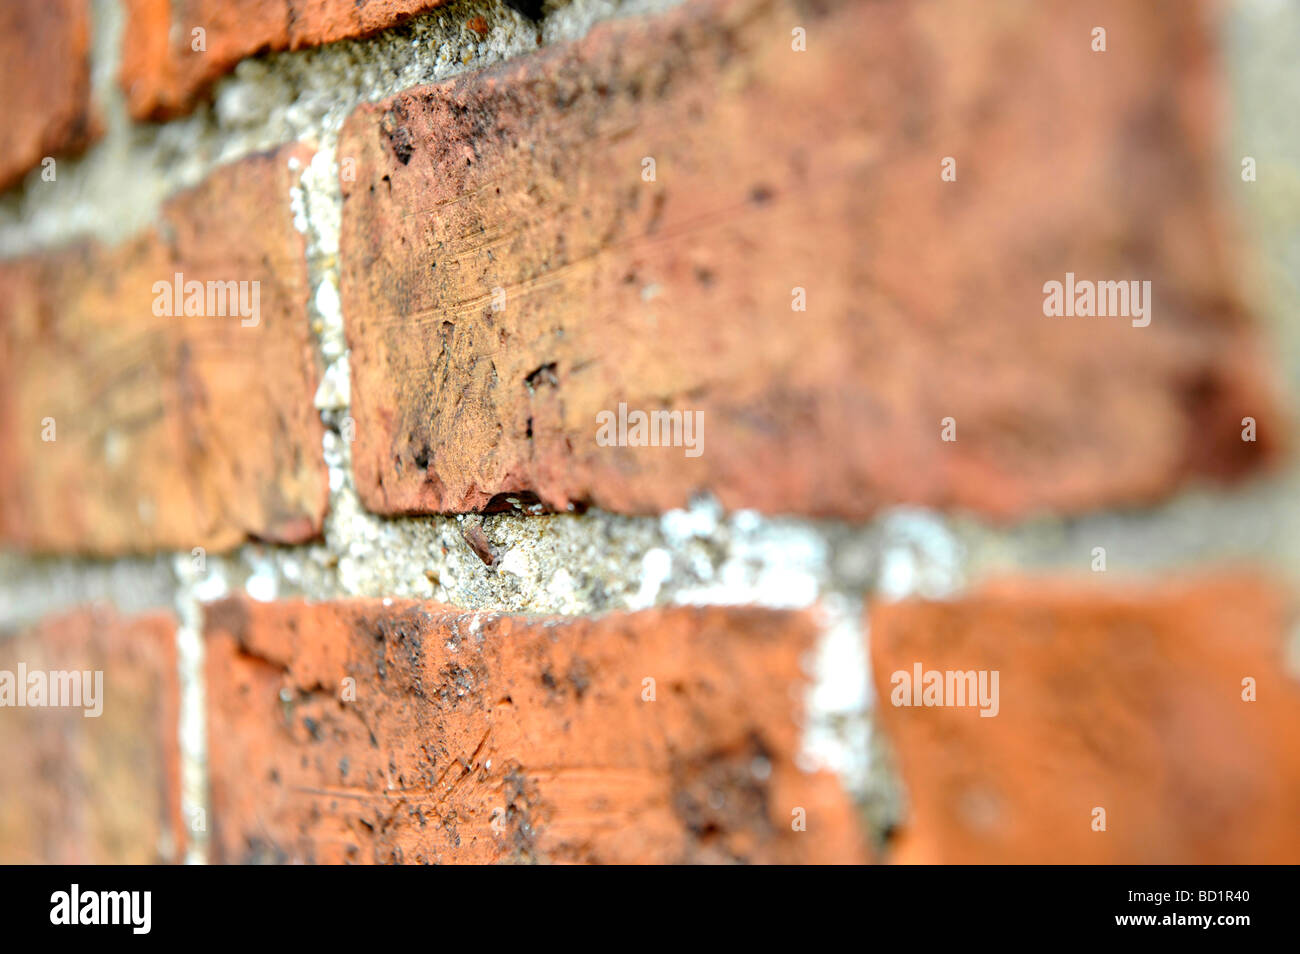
x=330, y=338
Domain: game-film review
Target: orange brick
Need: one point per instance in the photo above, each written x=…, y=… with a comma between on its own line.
x=491, y=738
x=97, y=790
x=163, y=74
x=508, y=275
x=169, y=432
x=1129, y=700
x=45, y=107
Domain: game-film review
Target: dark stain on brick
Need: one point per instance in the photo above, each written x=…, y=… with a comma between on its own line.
x=717, y=794
x=545, y=374
x=230, y=616
x=398, y=136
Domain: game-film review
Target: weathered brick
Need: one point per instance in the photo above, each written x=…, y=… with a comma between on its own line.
x=94, y=790
x=169, y=432
x=45, y=107
x=1125, y=700
x=778, y=169
x=490, y=738
x=163, y=74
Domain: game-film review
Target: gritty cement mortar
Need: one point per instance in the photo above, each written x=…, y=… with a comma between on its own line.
x=594, y=562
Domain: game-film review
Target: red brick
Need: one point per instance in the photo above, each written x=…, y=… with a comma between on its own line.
x=45, y=107
x=171, y=432
x=540, y=721
x=821, y=169
x=163, y=75
x=99, y=790
x=1125, y=699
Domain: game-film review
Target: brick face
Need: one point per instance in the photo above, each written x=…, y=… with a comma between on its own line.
x=924, y=297
x=45, y=107
x=170, y=432
x=489, y=738
x=103, y=790
x=163, y=75
x=1128, y=700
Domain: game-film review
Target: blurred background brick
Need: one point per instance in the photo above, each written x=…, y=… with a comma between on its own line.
x=1128, y=699
x=45, y=107
x=172, y=430
x=94, y=790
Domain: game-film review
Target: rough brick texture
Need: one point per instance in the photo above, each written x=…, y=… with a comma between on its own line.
x=102, y=790
x=170, y=432
x=483, y=739
x=1126, y=700
x=163, y=74
x=45, y=105
x=924, y=297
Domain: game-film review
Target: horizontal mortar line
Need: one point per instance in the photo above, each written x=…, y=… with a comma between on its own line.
x=92, y=570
